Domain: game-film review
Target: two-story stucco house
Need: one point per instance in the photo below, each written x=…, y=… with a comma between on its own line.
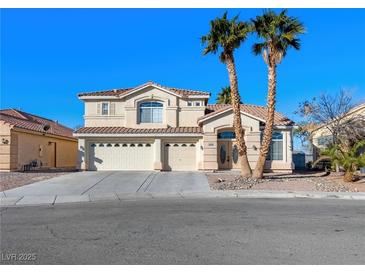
x=152, y=127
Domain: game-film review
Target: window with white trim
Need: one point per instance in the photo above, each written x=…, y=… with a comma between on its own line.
x=194, y=103
x=276, y=147
x=104, y=108
x=150, y=112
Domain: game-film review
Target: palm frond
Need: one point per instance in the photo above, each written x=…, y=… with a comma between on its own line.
x=277, y=32
x=225, y=35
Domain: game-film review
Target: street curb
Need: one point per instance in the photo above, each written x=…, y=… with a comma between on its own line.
x=22, y=201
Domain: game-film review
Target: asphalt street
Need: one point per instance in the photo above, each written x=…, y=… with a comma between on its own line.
x=186, y=231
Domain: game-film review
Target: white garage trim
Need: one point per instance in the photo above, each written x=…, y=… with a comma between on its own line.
x=180, y=155
x=104, y=155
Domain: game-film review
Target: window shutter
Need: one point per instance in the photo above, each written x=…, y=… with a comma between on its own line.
x=98, y=109
x=112, y=108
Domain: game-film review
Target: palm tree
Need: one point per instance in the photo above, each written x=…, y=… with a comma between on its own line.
x=348, y=158
x=278, y=33
x=224, y=97
x=227, y=35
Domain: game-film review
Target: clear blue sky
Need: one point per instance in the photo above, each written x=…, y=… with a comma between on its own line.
x=49, y=55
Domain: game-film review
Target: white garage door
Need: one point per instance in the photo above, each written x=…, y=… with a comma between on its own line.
x=121, y=156
x=180, y=156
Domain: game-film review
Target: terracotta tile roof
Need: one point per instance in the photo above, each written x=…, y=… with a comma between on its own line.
x=124, y=130
x=123, y=91
x=112, y=92
x=254, y=110
x=23, y=120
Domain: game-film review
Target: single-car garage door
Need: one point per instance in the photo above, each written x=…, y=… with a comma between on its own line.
x=180, y=156
x=121, y=156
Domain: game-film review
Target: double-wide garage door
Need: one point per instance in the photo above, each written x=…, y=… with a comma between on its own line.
x=140, y=156
x=121, y=156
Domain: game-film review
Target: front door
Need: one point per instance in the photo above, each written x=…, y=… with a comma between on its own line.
x=224, y=154
x=228, y=157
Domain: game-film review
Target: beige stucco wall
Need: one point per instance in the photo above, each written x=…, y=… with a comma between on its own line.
x=176, y=113
x=26, y=146
x=225, y=120
x=253, y=142
x=8, y=148
x=92, y=119
x=188, y=116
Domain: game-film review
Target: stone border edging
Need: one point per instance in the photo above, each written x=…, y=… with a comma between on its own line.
x=67, y=199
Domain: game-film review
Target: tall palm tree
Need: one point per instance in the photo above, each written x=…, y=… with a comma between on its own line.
x=224, y=97
x=225, y=36
x=278, y=33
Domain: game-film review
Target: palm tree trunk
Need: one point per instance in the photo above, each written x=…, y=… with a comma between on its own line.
x=237, y=123
x=271, y=100
x=348, y=177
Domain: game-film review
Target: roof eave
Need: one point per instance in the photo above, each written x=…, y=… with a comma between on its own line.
x=205, y=118
x=137, y=135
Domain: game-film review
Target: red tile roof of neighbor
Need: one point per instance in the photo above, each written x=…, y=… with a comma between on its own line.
x=124, y=130
x=254, y=110
x=123, y=91
x=24, y=120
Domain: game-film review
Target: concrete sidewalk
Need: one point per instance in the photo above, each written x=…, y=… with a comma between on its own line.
x=51, y=200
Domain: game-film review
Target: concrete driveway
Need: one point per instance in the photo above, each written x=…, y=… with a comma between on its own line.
x=108, y=182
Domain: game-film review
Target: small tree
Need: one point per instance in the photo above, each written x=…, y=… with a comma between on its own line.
x=334, y=114
x=349, y=158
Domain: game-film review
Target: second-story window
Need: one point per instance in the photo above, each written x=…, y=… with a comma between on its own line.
x=150, y=112
x=194, y=103
x=105, y=108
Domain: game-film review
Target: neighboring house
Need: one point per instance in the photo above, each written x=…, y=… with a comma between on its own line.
x=321, y=136
x=152, y=127
x=26, y=138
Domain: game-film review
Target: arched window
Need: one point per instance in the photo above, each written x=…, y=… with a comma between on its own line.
x=226, y=135
x=150, y=112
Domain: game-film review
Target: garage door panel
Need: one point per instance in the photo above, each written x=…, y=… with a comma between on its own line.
x=121, y=156
x=180, y=156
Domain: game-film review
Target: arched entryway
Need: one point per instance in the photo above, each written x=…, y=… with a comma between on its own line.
x=227, y=150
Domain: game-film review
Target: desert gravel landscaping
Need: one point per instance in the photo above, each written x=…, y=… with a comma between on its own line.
x=317, y=181
x=9, y=180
